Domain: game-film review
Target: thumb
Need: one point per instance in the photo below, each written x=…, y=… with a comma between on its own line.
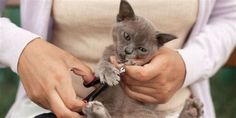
x=82, y=70
x=114, y=61
x=87, y=76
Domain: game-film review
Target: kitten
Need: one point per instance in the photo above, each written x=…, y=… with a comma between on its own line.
x=134, y=38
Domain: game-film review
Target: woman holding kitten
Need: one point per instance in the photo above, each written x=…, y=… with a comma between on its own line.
x=78, y=31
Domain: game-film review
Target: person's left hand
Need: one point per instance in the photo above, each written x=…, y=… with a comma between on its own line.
x=157, y=81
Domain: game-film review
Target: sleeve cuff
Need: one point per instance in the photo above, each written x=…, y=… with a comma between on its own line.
x=194, y=60
x=12, y=43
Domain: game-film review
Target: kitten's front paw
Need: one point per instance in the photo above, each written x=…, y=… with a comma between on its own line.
x=109, y=75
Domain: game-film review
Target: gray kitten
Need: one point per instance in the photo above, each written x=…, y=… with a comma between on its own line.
x=134, y=38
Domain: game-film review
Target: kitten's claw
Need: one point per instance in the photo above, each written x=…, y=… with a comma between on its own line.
x=109, y=76
x=122, y=69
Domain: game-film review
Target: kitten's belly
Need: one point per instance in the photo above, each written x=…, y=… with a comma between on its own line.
x=121, y=106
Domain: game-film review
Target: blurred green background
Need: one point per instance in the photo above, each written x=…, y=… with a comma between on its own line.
x=8, y=79
x=223, y=84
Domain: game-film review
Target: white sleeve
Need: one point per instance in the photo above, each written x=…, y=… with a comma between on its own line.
x=12, y=42
x=206, y=52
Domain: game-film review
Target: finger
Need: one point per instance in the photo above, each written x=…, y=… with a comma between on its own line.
x=35, y=94
x=130, y=82
x=81, y=69
x=148, y=71
x=143, y=73
x=150, y=89
x=137, y=73
x=143, y=90
x=138, y=96
x=134, y=82
x=155, y=67
x=42, y=102
x=67, y=93
x=86, y=77
x=114, y=62
x=58, y=107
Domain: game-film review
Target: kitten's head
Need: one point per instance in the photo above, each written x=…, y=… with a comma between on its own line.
x=135, y=37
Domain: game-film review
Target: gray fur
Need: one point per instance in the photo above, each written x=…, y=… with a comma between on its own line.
x=134, y=38
x=193, y=108
x=96, y=109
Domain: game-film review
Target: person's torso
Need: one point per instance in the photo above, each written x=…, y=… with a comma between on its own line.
x=83, y=28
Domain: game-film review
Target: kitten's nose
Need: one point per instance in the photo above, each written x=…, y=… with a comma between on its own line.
x=129, y=50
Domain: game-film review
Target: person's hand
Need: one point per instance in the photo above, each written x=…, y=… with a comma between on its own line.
x=44, y=71
x=157, y=81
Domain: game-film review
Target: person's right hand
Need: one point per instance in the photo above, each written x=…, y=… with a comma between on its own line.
x=44, y=70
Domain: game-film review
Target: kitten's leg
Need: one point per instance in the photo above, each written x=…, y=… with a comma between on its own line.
x=106, y=71
x=96, y=109
x=193, y=108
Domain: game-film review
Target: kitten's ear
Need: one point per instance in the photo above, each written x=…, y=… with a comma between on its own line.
x=163, y=38
x=125, y=12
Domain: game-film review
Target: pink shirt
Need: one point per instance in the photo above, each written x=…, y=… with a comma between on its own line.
x=207, y=49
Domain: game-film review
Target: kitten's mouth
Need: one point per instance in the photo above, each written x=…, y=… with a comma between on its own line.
x=138, y=62
x=123, y=61
x=132, y=60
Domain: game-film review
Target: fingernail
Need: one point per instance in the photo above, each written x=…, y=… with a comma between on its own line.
x=76, y=71
x=83, y=102
x=112, y=59
x=87, y=79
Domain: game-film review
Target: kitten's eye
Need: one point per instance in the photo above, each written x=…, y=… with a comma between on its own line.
x=142, y=49
x=126, y=36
